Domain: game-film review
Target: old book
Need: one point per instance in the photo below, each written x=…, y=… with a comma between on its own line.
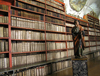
x=1, y=31
x=18, y=60
x=6, y=46
x=2, y=45
x=1, y=65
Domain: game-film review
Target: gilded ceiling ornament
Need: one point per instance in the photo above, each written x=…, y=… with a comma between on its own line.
x=77, y=5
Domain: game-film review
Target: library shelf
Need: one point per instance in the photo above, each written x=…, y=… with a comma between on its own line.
x=57, y=50
x=24, y=28
x=97, y=36
x=86, y=40
x=27, y=52
x=5, y=11
x=55, y=32
x=84, y=25
x=26, y=40
x=91, y=26
x=68, y=33
x=22, y=67
x=20, y=8
x=53, y=11
x=70, y=48
x=92, y=45
x=87, y=46
x=98, y=44
x=40, y=1
x=54, y=2
x=92, y=35
x=69, y=40
x=54, y=7
x=4, y=52
x=55, y=17
x=4, y=37
x=97, y=31
x=93, y=17
x=70, y=21
x=55, y=23
x=92, y=40
x=26, y=18
x=69, y=26
x=5, y=24
x=56, y=40
x=32, y=4
x=91, y=30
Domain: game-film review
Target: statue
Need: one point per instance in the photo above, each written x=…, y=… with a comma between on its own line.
x=78, y=39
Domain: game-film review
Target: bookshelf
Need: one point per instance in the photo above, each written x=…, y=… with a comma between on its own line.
x=48, y=35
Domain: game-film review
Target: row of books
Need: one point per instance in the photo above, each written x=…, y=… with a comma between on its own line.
x=33, y=2
x=56, y=45
x=53, y=27
x=27, y=14
x=27, y=59
x=55, y=5
x=44, y=69
x=4, y=63
x=4, y=7
x=91, y=25
x=86, y=38
x=86, y=50
x=92, y=38
x=3, y=31
x=30, y=7
x=97, y=38
x=56, y=55
x=86, y=43
x=98, y=42
x=92, y=33
x=70, y=19
x=54, y=2
x=97, y=30
x=98, y=47
x=68, y=29
x=24, y=34
x=3, y=19
x=70, y=52
x=92, y=43
x=70, y=45
x=55, y=14
x=3, y=45
x=49, y=19
x=70, y=25
x=93, y=48
x=52, y=36
x=69, y=37
x=18, y=46
x=85, y=28
x=83, y=23
x=20, y=22
x=92, y=29
x=54, y=9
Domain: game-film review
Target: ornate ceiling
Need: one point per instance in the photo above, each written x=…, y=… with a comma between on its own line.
x=91, y=5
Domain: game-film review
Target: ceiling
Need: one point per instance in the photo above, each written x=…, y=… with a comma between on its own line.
x=91, y=5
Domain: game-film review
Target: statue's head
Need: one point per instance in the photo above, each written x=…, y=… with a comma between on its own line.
x=76, y=22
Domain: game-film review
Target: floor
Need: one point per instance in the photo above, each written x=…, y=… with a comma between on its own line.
x=93, y=69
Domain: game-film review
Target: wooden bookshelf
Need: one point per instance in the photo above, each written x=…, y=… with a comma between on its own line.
x=68, y=19
x=4, y=52
x=23, y=28
x=5, y=11
x=19, y=8
x=32, y=4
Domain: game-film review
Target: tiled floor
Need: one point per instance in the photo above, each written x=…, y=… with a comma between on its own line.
x=93, y=69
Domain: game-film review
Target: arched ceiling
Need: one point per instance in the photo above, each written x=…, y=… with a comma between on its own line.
x=91, y=5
